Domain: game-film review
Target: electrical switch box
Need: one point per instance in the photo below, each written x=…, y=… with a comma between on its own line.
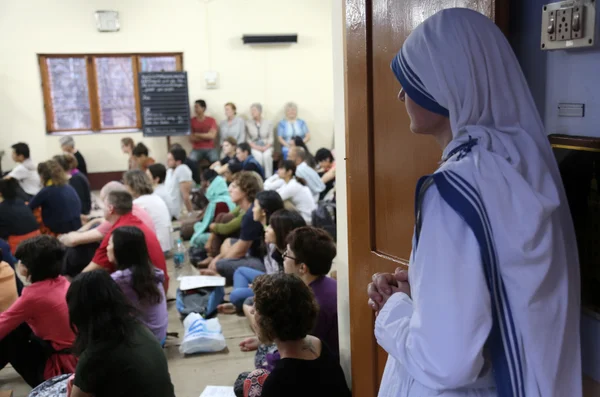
x=568, y=24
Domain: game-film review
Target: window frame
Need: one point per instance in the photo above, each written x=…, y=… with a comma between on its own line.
x=94, y=99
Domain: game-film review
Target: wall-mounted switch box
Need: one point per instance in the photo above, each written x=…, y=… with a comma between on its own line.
x=568, y=24
x=571, y=110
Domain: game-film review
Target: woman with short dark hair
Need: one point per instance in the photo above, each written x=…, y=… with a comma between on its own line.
x=35, y=336
x=286, y=311
x=139, y=280
x=118, y=356
x=60, y=204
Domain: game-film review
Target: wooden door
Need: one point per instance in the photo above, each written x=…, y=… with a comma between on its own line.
x=384, y=159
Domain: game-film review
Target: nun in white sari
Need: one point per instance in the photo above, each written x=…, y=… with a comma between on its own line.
x=491, y=302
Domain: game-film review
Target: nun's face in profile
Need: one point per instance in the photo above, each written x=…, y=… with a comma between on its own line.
x=422, y=121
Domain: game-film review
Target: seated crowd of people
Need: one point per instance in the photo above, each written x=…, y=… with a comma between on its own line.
x=78, y=290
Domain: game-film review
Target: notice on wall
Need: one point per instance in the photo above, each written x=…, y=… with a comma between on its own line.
x=164, y=102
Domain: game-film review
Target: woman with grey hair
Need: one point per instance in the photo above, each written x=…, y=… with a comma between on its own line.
x=139, y=184
x=260, y=138
x=290, y=127
x=67, y=144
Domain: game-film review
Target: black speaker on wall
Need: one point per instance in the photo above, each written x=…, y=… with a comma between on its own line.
x=270, y=38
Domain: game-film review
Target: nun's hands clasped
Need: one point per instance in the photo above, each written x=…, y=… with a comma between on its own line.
x=384, y=285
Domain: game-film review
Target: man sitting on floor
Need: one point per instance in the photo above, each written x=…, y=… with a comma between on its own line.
x=117, y=210
x=25, y=172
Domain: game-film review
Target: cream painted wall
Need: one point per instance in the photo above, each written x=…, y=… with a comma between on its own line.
x=339, y=112
x=208, y=32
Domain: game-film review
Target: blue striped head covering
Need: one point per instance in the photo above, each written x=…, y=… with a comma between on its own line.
x=413, y=86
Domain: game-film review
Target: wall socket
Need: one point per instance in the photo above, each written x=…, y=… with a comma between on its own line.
x=568, y=24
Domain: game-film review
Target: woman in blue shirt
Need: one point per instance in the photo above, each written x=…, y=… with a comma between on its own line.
x=291, y=127
x=61, y=207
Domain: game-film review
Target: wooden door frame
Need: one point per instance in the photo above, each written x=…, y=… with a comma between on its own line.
x=360, y=184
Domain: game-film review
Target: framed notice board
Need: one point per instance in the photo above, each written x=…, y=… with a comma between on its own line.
x=164, y=103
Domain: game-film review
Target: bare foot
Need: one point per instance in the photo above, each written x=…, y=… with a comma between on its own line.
x=208, y=272
x=205, y=262
x=227, y=308
x=249, y=344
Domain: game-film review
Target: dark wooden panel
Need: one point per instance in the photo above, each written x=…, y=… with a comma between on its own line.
x=99, y=179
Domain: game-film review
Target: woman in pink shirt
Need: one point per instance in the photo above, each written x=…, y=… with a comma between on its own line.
x=35, y=333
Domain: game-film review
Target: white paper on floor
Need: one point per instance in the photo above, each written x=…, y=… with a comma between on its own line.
x=218, y=391
x=193, y=282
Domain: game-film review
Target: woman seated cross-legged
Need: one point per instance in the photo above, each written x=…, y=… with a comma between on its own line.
x=141, y=282
x=77, y=180
x=265, y=205
x=247, y=250
x=118, y=355
x=295, y=191
x=286, y=311
x=35, y=333
x=60, y=204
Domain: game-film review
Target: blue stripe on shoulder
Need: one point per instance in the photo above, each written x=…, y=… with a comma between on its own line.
x=465, y=200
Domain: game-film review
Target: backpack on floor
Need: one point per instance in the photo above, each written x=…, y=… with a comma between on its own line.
x=203, y=301
x=324, y=217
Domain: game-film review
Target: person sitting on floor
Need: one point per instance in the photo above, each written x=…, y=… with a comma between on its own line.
x=84, y=242
x=157, y=173
x=245, y=251
x=61, y=207
x=326, y=170
x=309, y=255
x=281, y=224
x=286, y=311
x=141, y=282
x=140, y=187
x=229, y=149
x=77, y=180
x=17, y=222
x=140, y=154
x=67, y=145
x=219, y=202
x=310, y=159
x=313, y=180
x=265, y=204
x=25, y=172
x=8, y=285
x=118, y=355
x=35, y=334
x=295, y=191
x=7, y=257
x=127, y=145
x=178, y=181
x=246, y=161
x=117, y=210
x=192, y=165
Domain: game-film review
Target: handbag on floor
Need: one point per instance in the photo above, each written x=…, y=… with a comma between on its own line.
x=203, y=301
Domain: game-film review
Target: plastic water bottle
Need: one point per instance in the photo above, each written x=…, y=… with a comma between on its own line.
x=179, y=257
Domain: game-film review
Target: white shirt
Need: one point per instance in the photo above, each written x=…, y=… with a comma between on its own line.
x=26, y=174
x=300, y=196
x=162, y=192
x=161, y=217
x=274, y=182
x=174, y=178
x=313, y=180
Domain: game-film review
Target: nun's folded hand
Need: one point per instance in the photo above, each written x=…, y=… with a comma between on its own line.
x=383, y=285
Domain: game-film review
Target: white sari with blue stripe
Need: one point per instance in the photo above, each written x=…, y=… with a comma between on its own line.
x=494, y=273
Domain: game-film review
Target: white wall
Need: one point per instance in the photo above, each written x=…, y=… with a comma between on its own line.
x=339, y=113
x=209, y=35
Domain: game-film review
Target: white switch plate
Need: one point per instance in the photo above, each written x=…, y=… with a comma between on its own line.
x=211, y=79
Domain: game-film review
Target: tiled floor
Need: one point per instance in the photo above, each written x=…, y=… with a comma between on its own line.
x=189, y=374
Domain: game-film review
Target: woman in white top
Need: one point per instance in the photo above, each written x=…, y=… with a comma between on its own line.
x=260, y=138
x=233, y=126
x=295, y=191
x=140, y=186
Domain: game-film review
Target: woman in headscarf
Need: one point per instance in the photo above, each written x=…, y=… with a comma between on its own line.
x=490, y=304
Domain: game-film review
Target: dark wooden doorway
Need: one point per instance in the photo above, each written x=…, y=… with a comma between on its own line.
x=384, y=160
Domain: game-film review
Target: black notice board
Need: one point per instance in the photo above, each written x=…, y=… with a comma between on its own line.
x=164, y=102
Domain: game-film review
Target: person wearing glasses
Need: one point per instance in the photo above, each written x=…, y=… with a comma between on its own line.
x=309, y=255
